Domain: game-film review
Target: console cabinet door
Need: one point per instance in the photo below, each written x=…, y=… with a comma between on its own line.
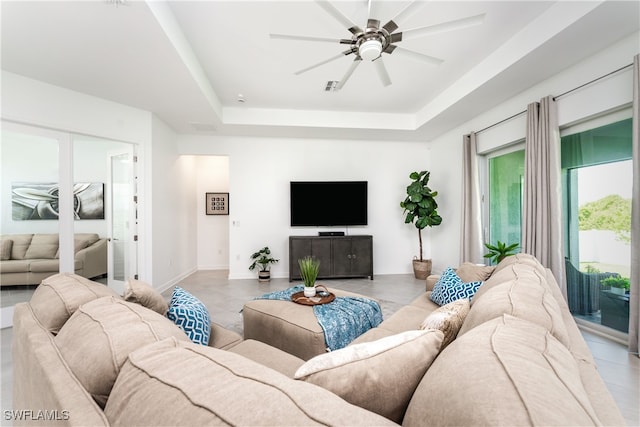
x=318, y=247
x=362, y=256
x=342, y=257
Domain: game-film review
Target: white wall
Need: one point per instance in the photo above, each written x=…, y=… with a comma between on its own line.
x=174, y=203
x=260, y=170
x=605, y=95
x=213, y=230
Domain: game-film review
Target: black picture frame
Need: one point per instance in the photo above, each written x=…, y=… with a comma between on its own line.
x=217, y=203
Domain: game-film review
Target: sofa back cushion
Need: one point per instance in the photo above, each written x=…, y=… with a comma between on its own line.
x=59, y=296
x=523, y=294
x=507, y=371
x=380, y=375
x=86, y=239
x=43, y=246
x=5, y=249
x=97, y=339
x=20, y=245
x=186, y=384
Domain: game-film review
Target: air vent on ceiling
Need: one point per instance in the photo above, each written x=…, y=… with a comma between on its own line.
x=331, y=86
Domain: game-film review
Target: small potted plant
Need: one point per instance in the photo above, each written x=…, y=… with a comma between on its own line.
x=421, y=209
x=617, y=285
x=309, y=268
x=263, y=259
x=500, y=251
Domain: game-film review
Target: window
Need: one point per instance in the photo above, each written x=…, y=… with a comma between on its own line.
x=597, y=179
x=506, y=184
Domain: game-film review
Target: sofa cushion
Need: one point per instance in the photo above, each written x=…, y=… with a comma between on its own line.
x=269, y=356
x=532, y=378
x=407, y=318
x=448, y=319
x=525, y=295
x=191, y=315
x=381, y=375
x=142, y=293
x=450, y=287
x=521, y=258
x=184, y=384
x=16, y=266
x=43, y=246
x=21, y=243
x=88, y=238
x=470, y=272
x=5, y=249
x=78, y=245
x=59, y=296
x=97, y=339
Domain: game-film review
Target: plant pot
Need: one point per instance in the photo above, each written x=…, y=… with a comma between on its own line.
x=309, y=291
x=421, y=269
x=264, y=276
x=617, y=291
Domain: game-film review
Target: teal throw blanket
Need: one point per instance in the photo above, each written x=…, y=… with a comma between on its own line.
x=342, y=320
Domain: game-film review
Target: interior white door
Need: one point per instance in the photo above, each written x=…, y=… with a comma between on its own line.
x=122, y=251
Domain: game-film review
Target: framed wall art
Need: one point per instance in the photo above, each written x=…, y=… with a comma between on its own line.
x=35, y=200
x=217, y=204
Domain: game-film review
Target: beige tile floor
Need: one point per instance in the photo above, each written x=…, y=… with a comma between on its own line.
x=225, y=298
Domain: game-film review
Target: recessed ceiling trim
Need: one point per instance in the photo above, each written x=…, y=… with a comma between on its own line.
x=330, y=119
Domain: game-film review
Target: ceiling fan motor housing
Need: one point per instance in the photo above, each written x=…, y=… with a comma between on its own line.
x=371, y=42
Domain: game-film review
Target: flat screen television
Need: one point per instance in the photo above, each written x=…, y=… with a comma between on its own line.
x=328, y=203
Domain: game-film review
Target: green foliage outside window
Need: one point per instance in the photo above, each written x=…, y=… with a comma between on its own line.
x=609, y=213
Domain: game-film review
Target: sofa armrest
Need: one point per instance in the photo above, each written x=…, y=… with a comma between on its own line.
x=222, y=337
x=431, y=281
x=94, y=259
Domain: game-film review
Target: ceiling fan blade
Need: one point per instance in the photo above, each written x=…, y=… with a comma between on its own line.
x=333, y=58
x=339, y=16
x=304, y=38
x=395, y=38
x=373, y=23
x=350, y=71
x=409, y=10
x=368, y=8
x=458, y=24
x=418, y=56
x=382, y=72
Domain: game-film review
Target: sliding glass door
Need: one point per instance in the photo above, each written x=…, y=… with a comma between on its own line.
x=596, y=166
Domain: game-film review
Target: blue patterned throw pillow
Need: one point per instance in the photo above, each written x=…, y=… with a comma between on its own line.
x=450, y=288
x=191, y=315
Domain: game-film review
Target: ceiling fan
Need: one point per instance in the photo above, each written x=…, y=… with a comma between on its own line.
x=371, y=42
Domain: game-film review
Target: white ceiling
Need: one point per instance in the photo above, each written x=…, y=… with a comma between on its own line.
x=188, y=61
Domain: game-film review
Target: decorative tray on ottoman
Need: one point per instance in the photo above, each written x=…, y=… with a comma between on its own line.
x=299, y=297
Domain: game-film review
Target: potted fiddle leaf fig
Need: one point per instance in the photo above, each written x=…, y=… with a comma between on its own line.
x=309, y=268
x=421, y=210
x=263, y=259
x=500, y=251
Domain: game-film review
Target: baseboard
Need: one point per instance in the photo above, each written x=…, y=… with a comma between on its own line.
x=603, y=331
x=171, y=283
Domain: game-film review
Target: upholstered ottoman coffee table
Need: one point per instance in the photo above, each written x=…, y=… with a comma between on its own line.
x=295, y=328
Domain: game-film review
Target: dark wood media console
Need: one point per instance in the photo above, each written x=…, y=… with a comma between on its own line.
x=340, y=256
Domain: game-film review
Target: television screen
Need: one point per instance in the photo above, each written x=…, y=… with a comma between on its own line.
x=322, y=203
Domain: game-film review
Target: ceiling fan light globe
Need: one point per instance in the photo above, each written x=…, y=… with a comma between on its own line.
x=370, y=50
